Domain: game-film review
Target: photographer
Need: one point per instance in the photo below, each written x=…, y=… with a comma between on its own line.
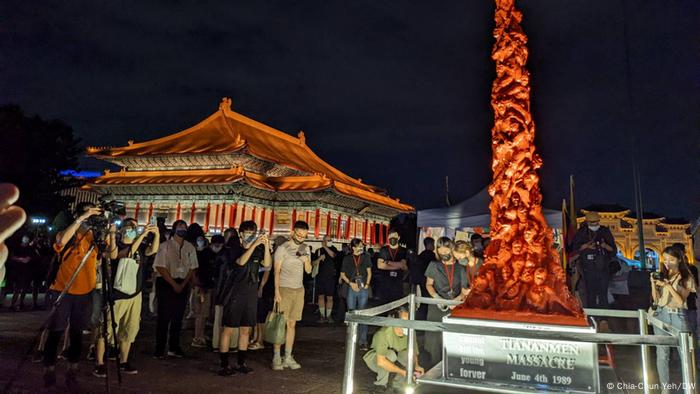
x=175, y=265
x=670, y=289
x=444, y=279
x=392, y=265
x=357, y=273
x=238, y=293
x=389, y=354
x=72, y=244
x=292, y=259
x=595, y=246
x=127, y=287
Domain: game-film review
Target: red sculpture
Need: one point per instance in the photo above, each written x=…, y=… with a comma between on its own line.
x=521, y=277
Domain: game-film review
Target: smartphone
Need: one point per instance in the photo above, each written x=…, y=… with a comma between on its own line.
x=154, y=220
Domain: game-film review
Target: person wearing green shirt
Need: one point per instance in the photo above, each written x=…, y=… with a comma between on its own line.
x=389, y=346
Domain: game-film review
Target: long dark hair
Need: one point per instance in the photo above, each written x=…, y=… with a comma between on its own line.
x=682, y=263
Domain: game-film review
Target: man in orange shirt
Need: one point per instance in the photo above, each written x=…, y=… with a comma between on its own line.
x=72, y=244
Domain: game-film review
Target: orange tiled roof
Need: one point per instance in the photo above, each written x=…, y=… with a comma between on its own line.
x=228, y=131
x=228, y=176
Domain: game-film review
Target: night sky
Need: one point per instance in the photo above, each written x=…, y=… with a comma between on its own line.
x=394, y=92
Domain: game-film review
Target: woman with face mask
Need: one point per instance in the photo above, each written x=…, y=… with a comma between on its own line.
x=357, y=273
x=127, y=269
x=447, y=280
x=669, y=290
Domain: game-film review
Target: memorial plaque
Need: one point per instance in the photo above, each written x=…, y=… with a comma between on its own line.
x=541, y=365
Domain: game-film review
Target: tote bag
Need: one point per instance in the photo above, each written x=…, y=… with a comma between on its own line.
x=275, y=326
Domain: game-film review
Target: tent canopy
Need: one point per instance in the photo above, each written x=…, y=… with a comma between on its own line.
x=472, y=212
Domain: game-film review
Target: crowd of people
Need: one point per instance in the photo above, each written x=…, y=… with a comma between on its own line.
x=228, y=284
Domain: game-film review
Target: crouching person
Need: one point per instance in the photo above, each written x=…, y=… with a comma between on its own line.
x=127, y=287
x=389, y=347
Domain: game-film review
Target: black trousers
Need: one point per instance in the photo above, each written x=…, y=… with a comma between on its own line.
x=422, y=312
x=171, y=311
x=596, y=278
x=390, y=289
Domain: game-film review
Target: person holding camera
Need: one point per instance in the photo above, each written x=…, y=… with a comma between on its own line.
x=392, y=265
x=445, y=280
x=72, y=245
x=175, y=265
x=389, y=347
x=595, y=247
x=239, y=294
x=357, y=273
x=292, y=259
x=127, y=287
x=670, y=289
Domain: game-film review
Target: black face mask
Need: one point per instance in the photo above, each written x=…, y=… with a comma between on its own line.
x=181, y=233
x=393, y=241
x=445, y=257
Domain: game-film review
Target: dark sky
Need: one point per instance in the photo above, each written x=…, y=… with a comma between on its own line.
x=394, y=92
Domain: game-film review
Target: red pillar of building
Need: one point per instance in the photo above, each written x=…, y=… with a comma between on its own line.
x=386, y=233
x=150, y=212
x=262, y=218
x=328, y=224
x=253, y=214
x=308, y=217
x=337, y=230
x=364, y=231
x=216, y=216
x=232, y=215
x=272, y=222
x=347, y=227
x=223, y=216
x=317, y=222
x=294, y=218
x=206, y=218
x=242, y=215
x=192, y=212
x=178, y=211
x=136, y=212
x=381, y=234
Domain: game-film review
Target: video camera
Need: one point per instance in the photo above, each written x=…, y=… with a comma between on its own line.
x=111, y=212
x=658, y=275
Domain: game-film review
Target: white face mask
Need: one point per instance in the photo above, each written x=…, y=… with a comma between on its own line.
x=594, y=228
x=404, y=331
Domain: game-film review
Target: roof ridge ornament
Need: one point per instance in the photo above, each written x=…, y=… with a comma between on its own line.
x=302, y=137
x=225, y=104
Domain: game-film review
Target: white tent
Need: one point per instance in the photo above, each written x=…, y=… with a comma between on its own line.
x=470, y=213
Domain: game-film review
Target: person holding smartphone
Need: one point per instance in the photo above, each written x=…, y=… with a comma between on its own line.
x=357, y=273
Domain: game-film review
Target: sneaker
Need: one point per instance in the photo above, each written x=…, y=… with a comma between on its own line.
x=177, y=353
x=198, y=342
x=244, y=369
x=226, y=371
x=159, y=355
x=291, y=363
x=277, y=363
x=49, y=377
x=128, y=369
x=100, y=371
x=256, y=346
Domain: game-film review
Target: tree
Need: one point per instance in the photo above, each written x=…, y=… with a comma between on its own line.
x=33, y=153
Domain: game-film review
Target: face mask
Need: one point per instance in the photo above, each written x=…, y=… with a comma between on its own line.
x=594, y=228
x=393, y=241
x=25, y=241
x=216, y=249
x=358, y=251
x=181, y=233
x=404, y=331
x=130, y=234
x=249, y=240
x=445, y=257
x=200, y=243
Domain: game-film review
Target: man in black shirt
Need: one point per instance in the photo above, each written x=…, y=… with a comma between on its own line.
x=392, y=266
x=326, y=278
x=417, y=272
x=238, y=293
x=127, y=274
x=595, y=246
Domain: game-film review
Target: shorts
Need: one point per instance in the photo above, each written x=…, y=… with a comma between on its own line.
x=325, y=286
x=292, y=304
x=73, y=310
x=264, y=307
x=127, y=314
x=241, y=310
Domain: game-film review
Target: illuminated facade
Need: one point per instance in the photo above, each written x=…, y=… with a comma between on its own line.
x=659, y=232
x=229, y=168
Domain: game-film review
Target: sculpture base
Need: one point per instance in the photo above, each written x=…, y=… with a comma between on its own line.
x=516, y=364
x=519, y=316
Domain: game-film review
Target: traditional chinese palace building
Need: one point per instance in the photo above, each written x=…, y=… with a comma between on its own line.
x=659, y=232
x=229, y=168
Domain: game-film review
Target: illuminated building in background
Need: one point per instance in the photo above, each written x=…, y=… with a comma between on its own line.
x=229, y=168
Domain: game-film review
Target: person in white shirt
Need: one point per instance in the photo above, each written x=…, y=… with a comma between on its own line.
x=291, y=260
x=175, y=265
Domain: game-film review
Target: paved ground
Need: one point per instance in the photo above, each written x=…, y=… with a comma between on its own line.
x=320, y=350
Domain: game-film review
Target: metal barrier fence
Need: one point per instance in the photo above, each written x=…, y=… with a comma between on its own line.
x=683, y=340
